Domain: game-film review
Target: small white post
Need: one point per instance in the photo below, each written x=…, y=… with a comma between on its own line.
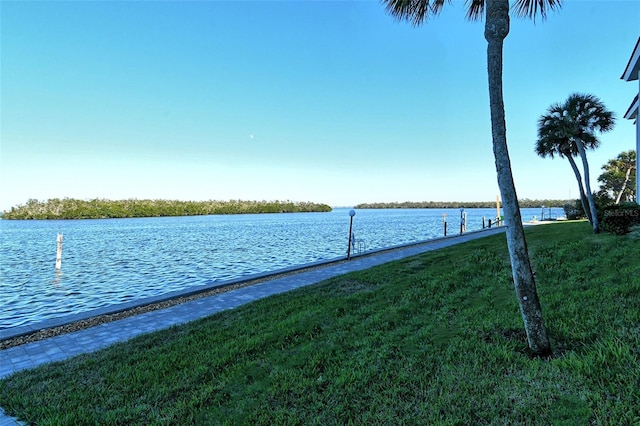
x=59, y=253
x=444, y=222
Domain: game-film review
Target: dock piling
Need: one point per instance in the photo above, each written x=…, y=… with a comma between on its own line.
x=59, y=253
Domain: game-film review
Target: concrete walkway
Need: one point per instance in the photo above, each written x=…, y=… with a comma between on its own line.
x=64, y=346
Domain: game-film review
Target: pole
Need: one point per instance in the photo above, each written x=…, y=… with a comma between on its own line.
x=444, y=221
x=59, y=253
x=498, y=209
x=352, y=213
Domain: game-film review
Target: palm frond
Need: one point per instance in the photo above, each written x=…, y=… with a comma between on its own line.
x=532, y=8
x=544, y=148
x=475, y=9
x=415, y=11
x=438, y=5
x=589, y=113
x=555, y=134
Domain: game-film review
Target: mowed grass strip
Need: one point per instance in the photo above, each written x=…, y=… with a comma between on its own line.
x=432, y=339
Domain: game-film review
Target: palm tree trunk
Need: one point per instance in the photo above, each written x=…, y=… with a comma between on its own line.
x=624, y=185
x=583, y=196
x=496, y=29
x=587, y=186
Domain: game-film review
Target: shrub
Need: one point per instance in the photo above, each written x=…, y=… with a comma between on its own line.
x=574, y=211
x=618, y=219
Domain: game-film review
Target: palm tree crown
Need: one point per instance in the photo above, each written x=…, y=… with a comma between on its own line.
x=552, y=140
x=585, y=115
x=575, y=121
x=419, y=11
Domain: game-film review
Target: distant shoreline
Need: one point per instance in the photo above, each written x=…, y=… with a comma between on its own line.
x=69, y=208
x=524, y=203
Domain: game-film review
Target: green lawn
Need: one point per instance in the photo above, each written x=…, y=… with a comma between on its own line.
x=432, y=339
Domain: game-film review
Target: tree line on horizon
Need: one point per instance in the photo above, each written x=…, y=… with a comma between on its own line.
x=524, y=203
x=69, y=208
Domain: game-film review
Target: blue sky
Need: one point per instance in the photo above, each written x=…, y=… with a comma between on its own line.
x=326, y=101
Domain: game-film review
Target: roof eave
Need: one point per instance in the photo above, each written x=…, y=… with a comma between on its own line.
x=633, y=67
x=632, y=112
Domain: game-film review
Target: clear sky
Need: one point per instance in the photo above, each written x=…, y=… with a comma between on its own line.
x=327, y=101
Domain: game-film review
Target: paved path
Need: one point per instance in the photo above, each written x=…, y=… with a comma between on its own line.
x=92, y=339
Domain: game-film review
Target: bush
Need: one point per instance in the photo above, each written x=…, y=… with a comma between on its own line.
x=602, y=202
x=618, y=219
x=574, y=211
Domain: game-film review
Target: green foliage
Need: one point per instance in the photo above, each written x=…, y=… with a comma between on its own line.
x=618, y=178
x=524, y=203
x=567, y=126
x=432, y=339
x=69, y=208
x=619, y=219
x=574, y=210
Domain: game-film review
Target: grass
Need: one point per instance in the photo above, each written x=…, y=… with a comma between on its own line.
x=432, y=339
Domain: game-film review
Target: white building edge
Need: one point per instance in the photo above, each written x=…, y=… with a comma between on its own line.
x=632, y=73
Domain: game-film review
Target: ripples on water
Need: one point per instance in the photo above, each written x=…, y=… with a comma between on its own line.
x=111, y=261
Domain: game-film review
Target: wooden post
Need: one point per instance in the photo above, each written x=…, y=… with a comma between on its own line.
x=482, y=222
x=444, y=221
x=498, y=209
x=59, y=253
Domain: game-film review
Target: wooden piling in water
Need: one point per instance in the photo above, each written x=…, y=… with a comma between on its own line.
x=59, y=253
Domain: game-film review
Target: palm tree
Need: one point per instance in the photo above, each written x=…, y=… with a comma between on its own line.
x=573, y=125
x=617, y=175
x=627, y=163
x=496, y=13
x=550, y=143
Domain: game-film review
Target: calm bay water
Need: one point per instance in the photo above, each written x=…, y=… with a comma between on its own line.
x=111, y=261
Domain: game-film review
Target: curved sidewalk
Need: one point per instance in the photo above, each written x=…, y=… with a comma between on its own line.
x=64, y=346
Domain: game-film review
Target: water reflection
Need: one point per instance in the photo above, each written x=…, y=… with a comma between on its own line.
x=56, y=280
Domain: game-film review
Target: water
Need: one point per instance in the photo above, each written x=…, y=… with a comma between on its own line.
x=111, y=261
